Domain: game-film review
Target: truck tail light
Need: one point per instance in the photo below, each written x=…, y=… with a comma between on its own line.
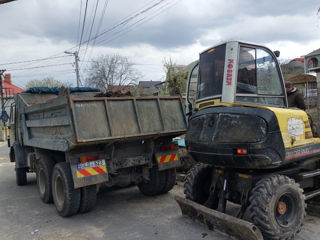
x=168, y=147
x=242, y=151
x=89, y=158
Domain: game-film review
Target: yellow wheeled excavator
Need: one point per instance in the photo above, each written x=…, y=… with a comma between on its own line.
x=252, y=150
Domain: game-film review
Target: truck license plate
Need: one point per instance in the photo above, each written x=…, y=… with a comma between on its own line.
x=91, y=168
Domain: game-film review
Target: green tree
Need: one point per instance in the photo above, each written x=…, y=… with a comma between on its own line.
x=176, y=79
x=112, y=70
x=46, y=82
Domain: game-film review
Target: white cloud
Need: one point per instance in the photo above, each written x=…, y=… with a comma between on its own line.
x=40, y=28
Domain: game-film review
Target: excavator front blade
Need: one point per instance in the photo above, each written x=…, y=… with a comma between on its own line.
x=214, y=220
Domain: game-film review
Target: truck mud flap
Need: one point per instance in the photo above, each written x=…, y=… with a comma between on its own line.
x=168, y=160
x=89, y=173
x=234, y=227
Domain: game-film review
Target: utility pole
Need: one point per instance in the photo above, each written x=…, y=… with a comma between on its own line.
x=4, y=116
x=76, y=59
x=1, y=89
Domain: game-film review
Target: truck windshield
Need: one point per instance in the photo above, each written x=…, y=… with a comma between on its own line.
x=211, y=67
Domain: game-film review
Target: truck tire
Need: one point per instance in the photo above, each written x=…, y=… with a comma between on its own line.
x=277, y=207
x=65, y=197
x=170, y=180
x=88, y=198
x=21, y=176
x=44, y=175
x=197, y=185
x=156, y=184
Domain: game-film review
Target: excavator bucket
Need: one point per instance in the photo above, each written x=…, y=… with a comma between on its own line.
x=234, y=227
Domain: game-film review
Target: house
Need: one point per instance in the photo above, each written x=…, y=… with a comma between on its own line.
x=296, y=63
x=120, y=88
x=312, y=63
x=146, y=88
x=9, y=90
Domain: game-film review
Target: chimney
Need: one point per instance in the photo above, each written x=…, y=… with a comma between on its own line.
x=7, y=78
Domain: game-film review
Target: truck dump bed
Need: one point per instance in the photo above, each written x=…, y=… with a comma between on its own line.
x=65, y=121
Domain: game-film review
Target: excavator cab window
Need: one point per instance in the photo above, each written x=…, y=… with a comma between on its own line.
x=259, y=80
x=211, y=70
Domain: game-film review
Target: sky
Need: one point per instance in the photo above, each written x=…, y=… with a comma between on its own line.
x=148, y=32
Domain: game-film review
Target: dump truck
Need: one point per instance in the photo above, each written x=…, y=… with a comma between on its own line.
x=253, y=152
x=74, y=140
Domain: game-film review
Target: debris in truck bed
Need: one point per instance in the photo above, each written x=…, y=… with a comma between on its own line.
x=115, y=94
x=56, y=90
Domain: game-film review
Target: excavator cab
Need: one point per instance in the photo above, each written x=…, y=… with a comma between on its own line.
x=236, y=72
x=251, y=148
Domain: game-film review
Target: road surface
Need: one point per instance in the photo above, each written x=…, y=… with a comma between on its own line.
x=120, y=214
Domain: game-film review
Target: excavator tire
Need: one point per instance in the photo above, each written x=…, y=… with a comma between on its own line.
x=277, y=207
x=197, y=184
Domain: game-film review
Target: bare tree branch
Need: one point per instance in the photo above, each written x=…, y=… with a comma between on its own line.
x=112, y=70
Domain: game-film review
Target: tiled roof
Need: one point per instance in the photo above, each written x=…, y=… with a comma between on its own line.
x=315, y=52
x=148, y=84
x=10, y=89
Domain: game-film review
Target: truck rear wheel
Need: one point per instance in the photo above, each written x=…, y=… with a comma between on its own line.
x=88, y=198
x=21, y=176
x=197, y=184
x=156, y=184
x=44, y=173
x=277, y=207
x=65, y=197
x=170, y=180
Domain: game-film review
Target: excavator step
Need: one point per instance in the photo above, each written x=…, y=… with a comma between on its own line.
x=214, y=220
x=309, y=174
x=312, y=194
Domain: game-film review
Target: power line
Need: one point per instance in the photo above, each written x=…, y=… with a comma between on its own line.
x=53, y=65
x=94, y=17
x=141, y=21
x=44, y=74
x=79, y=21
x=99, y=26
x=123, y=22
x=101, y=18
x=83, y=24
x=33, y=60
x=128, y=19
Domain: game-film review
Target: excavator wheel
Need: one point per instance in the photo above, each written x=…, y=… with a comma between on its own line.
x=197, y=185
x=277, y=207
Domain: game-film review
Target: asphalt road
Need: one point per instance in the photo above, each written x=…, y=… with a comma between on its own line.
x=119, y=214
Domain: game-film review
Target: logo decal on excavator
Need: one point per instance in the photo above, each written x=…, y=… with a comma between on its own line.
x=229, y=72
